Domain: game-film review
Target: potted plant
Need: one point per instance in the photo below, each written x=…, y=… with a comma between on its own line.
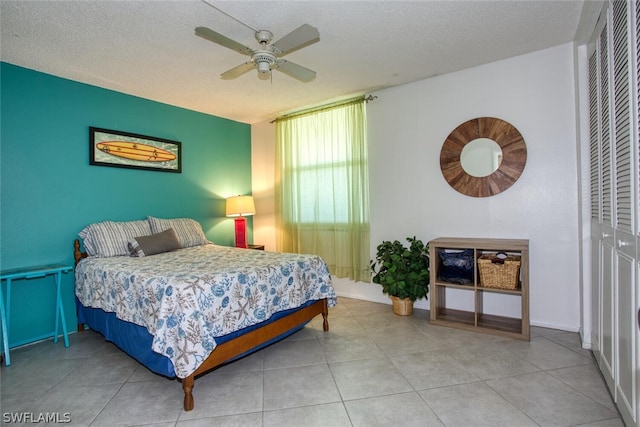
x=403, y=272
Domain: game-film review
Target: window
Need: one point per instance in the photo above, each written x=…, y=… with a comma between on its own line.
x=322, y=194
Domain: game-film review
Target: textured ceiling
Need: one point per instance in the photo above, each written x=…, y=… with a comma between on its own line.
x=148, y=48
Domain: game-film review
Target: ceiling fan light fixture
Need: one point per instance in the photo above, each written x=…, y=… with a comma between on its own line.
x=263, y=57
x=263, y=60
x=264, y=74
x=264, y=67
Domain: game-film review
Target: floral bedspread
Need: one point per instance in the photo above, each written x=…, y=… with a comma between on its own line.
x=187, y=298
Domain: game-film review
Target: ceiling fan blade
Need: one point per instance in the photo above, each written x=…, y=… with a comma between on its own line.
x=294, y=70
x=218, y=38
x=301, y=37
x=238, y=71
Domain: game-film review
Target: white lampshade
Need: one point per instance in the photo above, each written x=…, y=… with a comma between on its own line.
x=240, y=206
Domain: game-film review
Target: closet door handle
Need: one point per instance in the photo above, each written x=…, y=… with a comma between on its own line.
x=605, y=235
x=623, y=243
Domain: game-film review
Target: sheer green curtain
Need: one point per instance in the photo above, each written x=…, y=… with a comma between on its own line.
x=322, y=187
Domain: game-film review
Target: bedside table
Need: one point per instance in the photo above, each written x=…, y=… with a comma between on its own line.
x=258, y=247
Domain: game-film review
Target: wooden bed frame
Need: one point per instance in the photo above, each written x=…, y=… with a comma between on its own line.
x=243, y=343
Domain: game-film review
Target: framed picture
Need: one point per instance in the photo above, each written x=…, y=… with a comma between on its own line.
x=130, y=150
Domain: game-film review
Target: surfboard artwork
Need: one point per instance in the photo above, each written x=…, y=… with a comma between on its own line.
x=129, y=150
x=135, y=151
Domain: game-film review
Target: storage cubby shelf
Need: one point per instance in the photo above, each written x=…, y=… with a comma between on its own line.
x=476, y=319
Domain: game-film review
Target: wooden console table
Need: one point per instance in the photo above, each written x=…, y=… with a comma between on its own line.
x=56, y=271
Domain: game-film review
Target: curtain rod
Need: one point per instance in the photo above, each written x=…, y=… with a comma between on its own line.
x=325, y=106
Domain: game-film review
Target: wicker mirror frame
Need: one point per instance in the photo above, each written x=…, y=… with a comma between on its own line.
x=514, y=157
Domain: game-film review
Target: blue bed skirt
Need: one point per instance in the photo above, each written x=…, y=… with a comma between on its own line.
x=136, y=341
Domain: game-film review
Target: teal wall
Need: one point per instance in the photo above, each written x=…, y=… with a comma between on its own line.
x=49, y=192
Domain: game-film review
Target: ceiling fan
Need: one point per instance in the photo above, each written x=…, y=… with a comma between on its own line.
x=268, y=57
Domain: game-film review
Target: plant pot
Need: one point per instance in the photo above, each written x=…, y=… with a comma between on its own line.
x=402, y=307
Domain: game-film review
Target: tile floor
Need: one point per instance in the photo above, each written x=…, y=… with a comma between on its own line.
x=372, y=369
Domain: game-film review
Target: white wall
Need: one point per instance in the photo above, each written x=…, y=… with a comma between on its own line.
x=262, y=169
x=407, y=126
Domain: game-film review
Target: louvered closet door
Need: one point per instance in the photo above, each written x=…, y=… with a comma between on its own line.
x=624, y=60
x=595, y=192
x=614, y=105
x=596, y=200
x=625, y=209
x=605, y=231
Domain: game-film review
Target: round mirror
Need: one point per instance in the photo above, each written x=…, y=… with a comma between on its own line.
x=481, y=157
x=466, y=173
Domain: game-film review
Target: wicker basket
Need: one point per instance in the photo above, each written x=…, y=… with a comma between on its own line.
x=499, y=272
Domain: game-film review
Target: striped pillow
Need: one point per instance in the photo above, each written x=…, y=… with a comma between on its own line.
x=109, y=238
x=189, y=230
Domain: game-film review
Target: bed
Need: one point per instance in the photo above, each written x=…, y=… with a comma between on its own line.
x=182, y=305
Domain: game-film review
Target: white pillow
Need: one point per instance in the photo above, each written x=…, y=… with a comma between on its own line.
x=109, y=238
x=189, y=230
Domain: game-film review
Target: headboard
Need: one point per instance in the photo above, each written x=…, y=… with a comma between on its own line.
x=77, y=253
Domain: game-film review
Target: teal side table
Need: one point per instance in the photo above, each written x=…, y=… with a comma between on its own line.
x=56, y=271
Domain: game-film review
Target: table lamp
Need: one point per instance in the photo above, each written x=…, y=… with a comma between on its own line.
x=240, y=207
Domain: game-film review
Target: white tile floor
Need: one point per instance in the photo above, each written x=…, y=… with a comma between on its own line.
x=372, y=369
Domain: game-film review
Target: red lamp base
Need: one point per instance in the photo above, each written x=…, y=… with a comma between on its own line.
x=241, y=232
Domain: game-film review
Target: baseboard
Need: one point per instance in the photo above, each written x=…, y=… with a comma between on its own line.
x=373, y=293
